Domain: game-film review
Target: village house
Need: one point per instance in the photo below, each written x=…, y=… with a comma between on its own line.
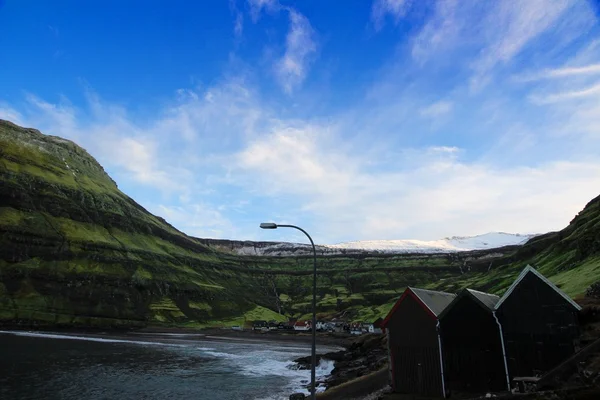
x=321, y=326
x=375, y=327
x=259, y=325
x=414, y=342
x=340, y=326
x=302, y=326
x=356, y=328
x=471, y=346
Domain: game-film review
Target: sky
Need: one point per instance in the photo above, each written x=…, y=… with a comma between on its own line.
x=357, y=120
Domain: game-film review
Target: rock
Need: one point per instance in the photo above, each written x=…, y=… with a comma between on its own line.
x=297, y=396
x=593, y=291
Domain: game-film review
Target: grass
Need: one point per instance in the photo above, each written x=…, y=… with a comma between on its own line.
x=574, y=282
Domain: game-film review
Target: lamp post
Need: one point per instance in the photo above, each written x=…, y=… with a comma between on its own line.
x=313, y=364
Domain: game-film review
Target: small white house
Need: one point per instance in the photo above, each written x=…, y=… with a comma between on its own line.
x=321, y=326
x=356, y=328
x=375, y=327
x=302, y=326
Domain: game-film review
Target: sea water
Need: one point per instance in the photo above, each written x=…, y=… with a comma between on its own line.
x=169, y=366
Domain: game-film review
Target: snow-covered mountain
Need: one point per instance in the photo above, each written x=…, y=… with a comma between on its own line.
x=447, y=245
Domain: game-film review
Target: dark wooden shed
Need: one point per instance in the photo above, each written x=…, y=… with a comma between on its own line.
x=471, y=344
x=414, y=343
x=539, y=323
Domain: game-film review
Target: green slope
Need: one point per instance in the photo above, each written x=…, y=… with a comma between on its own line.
x=76, y=251
x=570, y=258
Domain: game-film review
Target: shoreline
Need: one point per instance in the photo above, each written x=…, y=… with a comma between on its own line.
x=176, y=335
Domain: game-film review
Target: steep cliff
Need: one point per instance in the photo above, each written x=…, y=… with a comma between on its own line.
x=75, y=250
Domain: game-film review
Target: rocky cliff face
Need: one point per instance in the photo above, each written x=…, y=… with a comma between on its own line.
x=76, y=251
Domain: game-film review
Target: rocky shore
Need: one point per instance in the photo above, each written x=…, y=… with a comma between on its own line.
x=363, y=356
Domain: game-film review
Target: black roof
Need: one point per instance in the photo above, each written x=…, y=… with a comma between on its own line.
x=530, y=270
x=486, y=299
x=435, y=301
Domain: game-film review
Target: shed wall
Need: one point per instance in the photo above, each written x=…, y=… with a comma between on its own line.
x=541, y=328
x=472, y=349
x=413, y=343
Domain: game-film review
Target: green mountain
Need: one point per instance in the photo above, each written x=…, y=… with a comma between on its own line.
x=76, y=251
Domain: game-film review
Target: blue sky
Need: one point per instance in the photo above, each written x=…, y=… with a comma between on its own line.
x=382, y=119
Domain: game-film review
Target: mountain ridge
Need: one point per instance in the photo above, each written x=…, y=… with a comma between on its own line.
x=488, y=241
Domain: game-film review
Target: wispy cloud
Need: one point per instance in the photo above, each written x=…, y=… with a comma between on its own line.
x=393, y=8
x=238, y=15
x=436, y=109
x=492, y=35
x=10, y=114
x=440, y=31
x=307, y=169
x=440, y=191
x=54, y=30
x=510, y=27
x=557, y=97
x=300, y=48
x=257, y=6
x=375, y=168
x=562, y=72
x=292, y=67
x=199, y=220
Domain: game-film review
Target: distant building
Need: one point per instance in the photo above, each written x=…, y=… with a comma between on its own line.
x=321, y=326
x=375, y=327
x=302, y=326
x=414, y=342
x=259, y=325
x=356, y=328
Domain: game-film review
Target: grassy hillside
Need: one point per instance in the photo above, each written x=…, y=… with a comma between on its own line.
x=76, y=251
x=570, y=258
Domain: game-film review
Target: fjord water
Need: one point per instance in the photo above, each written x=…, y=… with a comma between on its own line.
x=59, y=366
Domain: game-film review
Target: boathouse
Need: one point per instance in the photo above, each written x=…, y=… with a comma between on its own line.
x=471, y=344
x=413, y=342
x=539, y=325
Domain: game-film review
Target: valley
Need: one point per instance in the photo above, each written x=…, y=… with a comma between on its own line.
x=75, y=251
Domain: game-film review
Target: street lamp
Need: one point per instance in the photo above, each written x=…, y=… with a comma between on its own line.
x=313, y=366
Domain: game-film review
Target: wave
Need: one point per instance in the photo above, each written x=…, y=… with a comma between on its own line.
x=88, y=338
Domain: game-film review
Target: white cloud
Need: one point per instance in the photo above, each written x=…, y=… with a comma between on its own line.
x=376, y=170
x=10, y=114
x=485, y=36
x=238, y=24
x=570, y=95
x=292, y=67
x=562, y=72
x=300, y=48
x=257, y=6
x=511, y=26
x=305, y=170
x=198, y=220
x=394, y=8
x=441, y=196
x=437, y=109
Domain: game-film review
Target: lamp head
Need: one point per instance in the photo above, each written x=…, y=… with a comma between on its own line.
x=268, y=225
